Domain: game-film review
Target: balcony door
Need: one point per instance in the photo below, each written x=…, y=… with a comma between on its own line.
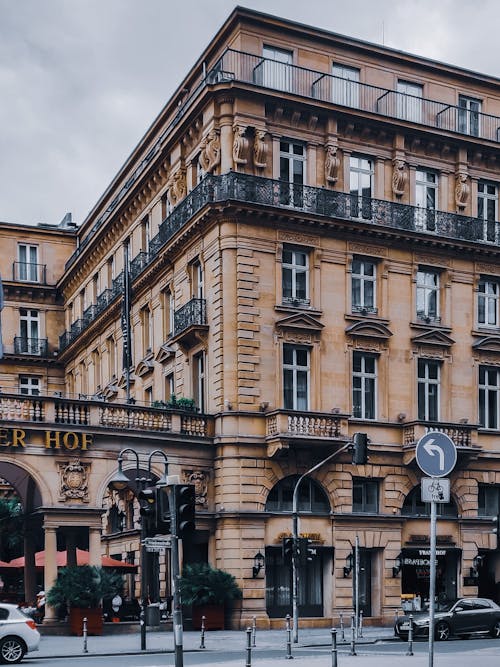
x=469, y=110
x=426, y=190
x=28, y=263
x=487, y=209
x=345, y=88
x=29, y=331
x=275, y=71
x=292, y=171
x=361, y=187
x=409, y=101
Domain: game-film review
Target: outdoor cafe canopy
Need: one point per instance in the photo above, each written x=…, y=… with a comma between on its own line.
x=82, y=558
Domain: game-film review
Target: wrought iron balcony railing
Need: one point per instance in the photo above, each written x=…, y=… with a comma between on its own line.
x=193, y=313
x=249, y=68
x=34, y=346
x=28, y=272
x=300, y=198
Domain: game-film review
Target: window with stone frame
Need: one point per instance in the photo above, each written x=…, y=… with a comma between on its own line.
x=295, y=275
x=296, y=376
x=365, y=495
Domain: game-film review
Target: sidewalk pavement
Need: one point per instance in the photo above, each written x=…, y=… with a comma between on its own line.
x=215, y=641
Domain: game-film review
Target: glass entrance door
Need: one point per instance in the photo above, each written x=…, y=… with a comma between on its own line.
x=279, y=585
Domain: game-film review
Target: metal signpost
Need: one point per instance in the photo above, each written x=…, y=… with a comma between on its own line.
x=436, y=456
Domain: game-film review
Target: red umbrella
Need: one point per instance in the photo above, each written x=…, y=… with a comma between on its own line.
x=82, y=558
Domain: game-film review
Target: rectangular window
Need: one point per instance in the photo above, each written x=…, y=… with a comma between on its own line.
x=111, y=351
x=168, y=313
x=275, y=71
x=426, y=193
x=296, y=370
x=345, y=88
x=428, y=389
x=364, y=385
x=199, y=381
x=487, y=210
x=295, y=275
x=169, y=386
x=487, y=302
x=197, y=280
x=361, y=187
x=148, y=396
x=469, y=110
x=147, y=330
x=488, y=500
x=364, y=496
x=29, y=324
x=292, y=173
x=29, y=385
x=27, y=265
x=145, y=234
x=363, y=286
x=428, y=295
x=489, y=395
x=409, y=101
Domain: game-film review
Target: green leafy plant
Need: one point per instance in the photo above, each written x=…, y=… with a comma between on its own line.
x=11, y=526
x=185, y=403
x=202, y=584
x=84, y=586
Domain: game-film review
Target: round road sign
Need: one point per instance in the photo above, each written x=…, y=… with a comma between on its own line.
x=436, y=454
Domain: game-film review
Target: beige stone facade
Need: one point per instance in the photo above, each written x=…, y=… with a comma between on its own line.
x=312, y=227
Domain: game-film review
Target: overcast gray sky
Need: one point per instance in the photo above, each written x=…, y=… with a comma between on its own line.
x=81, y=80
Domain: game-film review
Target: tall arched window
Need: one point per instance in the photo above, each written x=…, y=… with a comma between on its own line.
x=413, y=506
x=311, y=496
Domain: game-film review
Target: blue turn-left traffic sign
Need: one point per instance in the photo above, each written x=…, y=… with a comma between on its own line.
x=436, y=454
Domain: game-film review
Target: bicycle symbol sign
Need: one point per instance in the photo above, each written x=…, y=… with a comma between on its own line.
x=435, y=490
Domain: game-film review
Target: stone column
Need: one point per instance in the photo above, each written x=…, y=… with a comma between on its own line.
x=95, y=547
x=226, y=135
x=50, y=568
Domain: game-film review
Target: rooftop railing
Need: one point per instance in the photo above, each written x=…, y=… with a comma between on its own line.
x=304, y=199
x=248, y=68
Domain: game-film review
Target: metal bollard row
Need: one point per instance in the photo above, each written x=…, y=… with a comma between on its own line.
x=289, y=655
x=248, y=662
x=334, y=647
x=360, y=626
x=342, y=626
x=353, y=636
x=84, y=633
x=202, y=637
x=410, y=637
x=254, y=630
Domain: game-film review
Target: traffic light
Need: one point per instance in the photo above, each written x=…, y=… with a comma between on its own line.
x=306, y=552
x=163, y=517
x=184, y=503
x=360, y=449
x=148, y=501
x=287, y=548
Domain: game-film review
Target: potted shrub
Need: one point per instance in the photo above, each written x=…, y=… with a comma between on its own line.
x=208, y=590
x=81, y=589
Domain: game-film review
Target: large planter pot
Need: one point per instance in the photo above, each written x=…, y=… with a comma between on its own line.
x=214, y=616
x=94, y=621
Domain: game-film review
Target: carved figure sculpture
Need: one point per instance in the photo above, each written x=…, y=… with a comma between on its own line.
x=332, y=164
x=260, y=149
x=240, y=145
x=462, y=190
x=210, y=151
x=399, y=177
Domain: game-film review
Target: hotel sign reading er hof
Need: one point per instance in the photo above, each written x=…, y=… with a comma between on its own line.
x=15, y=439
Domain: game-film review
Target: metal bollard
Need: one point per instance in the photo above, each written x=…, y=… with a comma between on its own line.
x=202, y=638
x=85, y=649
x=334, y=647
x=289, y=655
x=396, y=616
x=410, y=637
x=353, y=640
x=360, y=626
x=254, y=630
x=342, y=627
x=248, y=662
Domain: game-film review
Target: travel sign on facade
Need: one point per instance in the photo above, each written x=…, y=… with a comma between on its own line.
x=15, y=439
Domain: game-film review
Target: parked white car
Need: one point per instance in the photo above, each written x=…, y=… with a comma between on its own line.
x=18, y=634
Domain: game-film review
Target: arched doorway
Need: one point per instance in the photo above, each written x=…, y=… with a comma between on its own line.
x=312, y=501
x=21, y=532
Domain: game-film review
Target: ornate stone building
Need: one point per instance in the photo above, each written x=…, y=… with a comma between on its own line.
x=311, y=230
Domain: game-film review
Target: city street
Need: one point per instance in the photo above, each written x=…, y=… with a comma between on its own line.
x=455, y=653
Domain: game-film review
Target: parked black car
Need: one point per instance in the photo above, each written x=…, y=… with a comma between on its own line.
x=457, y=617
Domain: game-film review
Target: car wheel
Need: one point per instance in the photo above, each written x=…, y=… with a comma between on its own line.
x=12, y=650
x=495, y=630
x=442, y=631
